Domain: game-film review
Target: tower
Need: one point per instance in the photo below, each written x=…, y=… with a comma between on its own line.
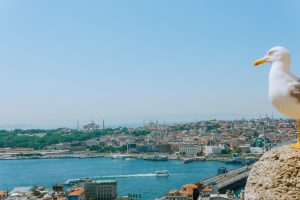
x=77, y=125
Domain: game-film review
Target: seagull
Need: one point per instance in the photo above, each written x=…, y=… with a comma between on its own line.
x=284, y=87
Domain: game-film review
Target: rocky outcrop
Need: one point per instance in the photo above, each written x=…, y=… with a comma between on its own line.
x=275, y=176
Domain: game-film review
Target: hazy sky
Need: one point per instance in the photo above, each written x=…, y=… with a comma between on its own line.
x=129, y=61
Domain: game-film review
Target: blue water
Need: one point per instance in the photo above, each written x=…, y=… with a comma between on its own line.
x=133, y=176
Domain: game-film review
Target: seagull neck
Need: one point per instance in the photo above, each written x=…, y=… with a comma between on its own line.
x=280, y=67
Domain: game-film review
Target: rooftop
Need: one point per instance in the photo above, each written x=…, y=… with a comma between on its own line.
x=3, y=192
x=21, y=190
x=207, y=189
x=185, y=190
x=189, y=186
x=77, y=192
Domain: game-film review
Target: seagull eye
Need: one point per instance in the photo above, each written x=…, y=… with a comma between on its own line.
x=270, y=53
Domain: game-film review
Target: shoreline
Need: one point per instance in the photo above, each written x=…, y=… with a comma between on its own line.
x=86, y=155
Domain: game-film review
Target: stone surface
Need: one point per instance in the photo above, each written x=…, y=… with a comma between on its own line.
x=275, y=176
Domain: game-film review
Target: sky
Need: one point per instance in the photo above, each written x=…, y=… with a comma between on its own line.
x=130, y=61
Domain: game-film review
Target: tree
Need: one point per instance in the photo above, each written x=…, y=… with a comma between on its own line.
x=226, y=151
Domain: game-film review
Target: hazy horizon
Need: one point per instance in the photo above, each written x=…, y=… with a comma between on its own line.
x=134, y=122
x=129, y=62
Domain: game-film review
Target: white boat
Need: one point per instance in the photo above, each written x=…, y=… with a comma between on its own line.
x=119, y=156
x=162, y=173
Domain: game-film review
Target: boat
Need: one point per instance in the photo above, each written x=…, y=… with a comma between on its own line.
x=162, y=173
x=187, y=160
x=156, y=158
x=201, y=158
x=119, y=156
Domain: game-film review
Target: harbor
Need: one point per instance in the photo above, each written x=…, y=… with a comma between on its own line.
x=133, y=176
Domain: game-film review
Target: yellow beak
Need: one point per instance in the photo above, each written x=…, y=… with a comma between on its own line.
x=260, y=61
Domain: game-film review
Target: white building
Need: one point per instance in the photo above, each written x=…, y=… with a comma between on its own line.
x=189, y=149
x=211, y=150
x=20, y=193
x=257, y=150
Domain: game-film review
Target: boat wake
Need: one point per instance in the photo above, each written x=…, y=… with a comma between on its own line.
x=156, y=174
x=124, y=176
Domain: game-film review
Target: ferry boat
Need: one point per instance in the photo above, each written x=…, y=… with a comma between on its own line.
x=162, y=173
x=156, y=158
x=187, y=160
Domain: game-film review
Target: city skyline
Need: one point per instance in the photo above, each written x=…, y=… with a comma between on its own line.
x=63, y=62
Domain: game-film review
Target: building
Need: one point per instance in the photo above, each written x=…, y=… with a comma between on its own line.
x=77, y=194
x=123, y=198
x=245, y=148
x=92, y=142
x=163, y=148
x=187, y=192
x=59, y=146
x=58, y=187
x=145, y=148
x=220, y=197
x=131, y=148
x=208, y=190
x=211, y=150
x=101, y=190
x=257, y=150
x=19, y=191
x=189, y=150
x=91, y=127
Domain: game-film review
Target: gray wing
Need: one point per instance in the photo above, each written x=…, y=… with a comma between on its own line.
x=295, y=90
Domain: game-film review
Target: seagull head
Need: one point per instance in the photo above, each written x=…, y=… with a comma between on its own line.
x=275, y=54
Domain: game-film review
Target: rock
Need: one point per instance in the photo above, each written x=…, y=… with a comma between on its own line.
x=275, y=176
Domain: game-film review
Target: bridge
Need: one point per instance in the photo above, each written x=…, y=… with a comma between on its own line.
x=229, y=180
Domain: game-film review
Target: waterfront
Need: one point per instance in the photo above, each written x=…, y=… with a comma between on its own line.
x=133, y=176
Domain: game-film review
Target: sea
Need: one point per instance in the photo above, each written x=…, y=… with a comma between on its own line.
x=134, y=176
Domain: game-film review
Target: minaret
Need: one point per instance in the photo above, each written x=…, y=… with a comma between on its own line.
x=103, y=126
x=272, y=116
x=77, y=125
